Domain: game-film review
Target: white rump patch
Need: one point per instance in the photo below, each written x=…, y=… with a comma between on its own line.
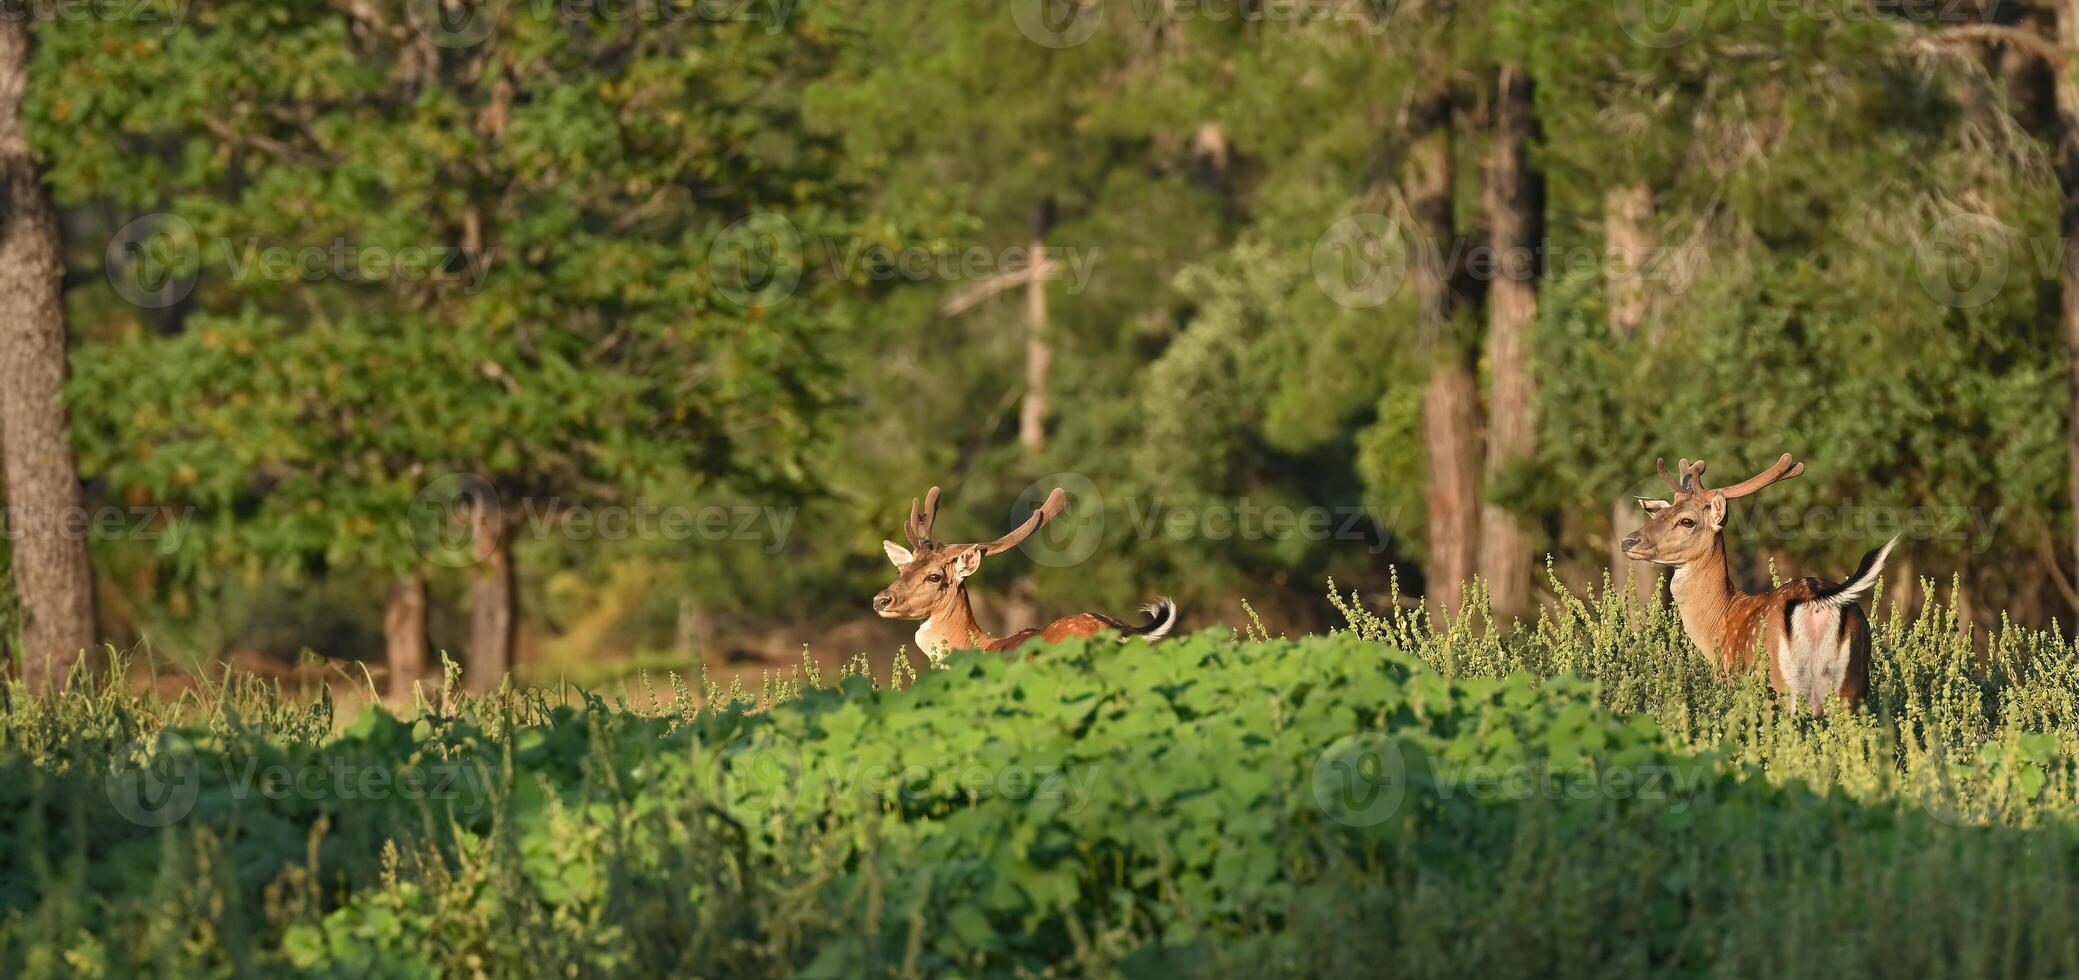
x=1814, y=655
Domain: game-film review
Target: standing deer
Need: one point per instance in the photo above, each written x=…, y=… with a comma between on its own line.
x=932, y=586
x=1815, y=634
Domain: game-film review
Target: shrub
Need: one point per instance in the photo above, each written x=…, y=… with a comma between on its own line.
x=1578, y=797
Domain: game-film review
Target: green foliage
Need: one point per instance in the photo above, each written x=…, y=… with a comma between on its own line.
x=521, y=265
x=1801, y=165
x=1584, y=795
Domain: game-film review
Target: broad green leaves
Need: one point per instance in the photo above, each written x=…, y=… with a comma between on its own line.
x=1195, y=798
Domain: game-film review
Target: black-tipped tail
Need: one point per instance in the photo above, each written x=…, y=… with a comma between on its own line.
x=1860, y=583
x=1162, y=617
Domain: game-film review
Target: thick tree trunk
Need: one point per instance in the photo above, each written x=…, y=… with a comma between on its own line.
x=1450, y=444
x=1628, y=234
x=1450, y=399
x=1020, y=606
x=1515, y=216
x=693, y=636
x=492, y=600
x=51, y=568
x=1903, y=594
x=1039, y=353
x=2066, y=163
x=404, y=635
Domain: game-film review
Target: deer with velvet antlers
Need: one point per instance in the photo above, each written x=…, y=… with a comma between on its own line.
x=1813, y=632
x=931, y=585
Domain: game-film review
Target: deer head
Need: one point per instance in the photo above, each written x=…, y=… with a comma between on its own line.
x=1685, y=529
x=931, y=575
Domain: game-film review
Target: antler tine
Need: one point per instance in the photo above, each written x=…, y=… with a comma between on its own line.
x=919, y=526
x=1783, y=469
x=1661, y=465
x=1056, y=502
x=1695, y=477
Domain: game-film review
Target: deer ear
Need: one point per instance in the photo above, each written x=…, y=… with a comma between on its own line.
x=967, y=562
x=1652, y=505
x=1716, y=503
x=898, y=554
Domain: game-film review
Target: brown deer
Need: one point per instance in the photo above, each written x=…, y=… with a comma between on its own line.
x=932, y=586
x=1816, y=636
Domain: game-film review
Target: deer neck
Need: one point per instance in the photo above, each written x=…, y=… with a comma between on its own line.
x=1704, y=593
x=951, y=626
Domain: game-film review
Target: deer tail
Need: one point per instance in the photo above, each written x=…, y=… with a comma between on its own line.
x=1860, y=583
x=1162, y=617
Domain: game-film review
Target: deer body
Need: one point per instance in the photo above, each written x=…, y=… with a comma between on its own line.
x=1813, y=633
x=956, y=629
x=932, y=586
x=1814, y=648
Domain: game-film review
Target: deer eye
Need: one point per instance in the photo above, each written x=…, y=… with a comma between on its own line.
x=1687, y=522
x=934, y=577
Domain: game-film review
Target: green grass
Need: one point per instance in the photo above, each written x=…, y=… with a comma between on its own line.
x=1580, y=797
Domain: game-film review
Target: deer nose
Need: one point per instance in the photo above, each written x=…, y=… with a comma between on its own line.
x=1629, y=543
x=882, y=602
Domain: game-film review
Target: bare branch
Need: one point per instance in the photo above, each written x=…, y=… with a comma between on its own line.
x=1002, y=282
x=2001, y=36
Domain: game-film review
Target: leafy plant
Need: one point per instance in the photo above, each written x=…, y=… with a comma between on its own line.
x=1584, y=795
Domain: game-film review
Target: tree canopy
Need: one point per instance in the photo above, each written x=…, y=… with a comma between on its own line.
x=646, y=255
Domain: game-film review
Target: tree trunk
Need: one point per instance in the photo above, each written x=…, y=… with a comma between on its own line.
x=1903, y=594
x=1628, y=234
x=1515, y=216
x=1212, y=156
x=492, y=600
x=1450, y=444
x=1450, y=399
x=2065, y=161
x=10, y=623
x=404, y=636
x=693, y=637
x=1039, y=354
x=52, y=571
x=1021, y=606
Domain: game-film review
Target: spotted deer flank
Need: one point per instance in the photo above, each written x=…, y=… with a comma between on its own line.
x=931, y=585
x=1814, y=633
